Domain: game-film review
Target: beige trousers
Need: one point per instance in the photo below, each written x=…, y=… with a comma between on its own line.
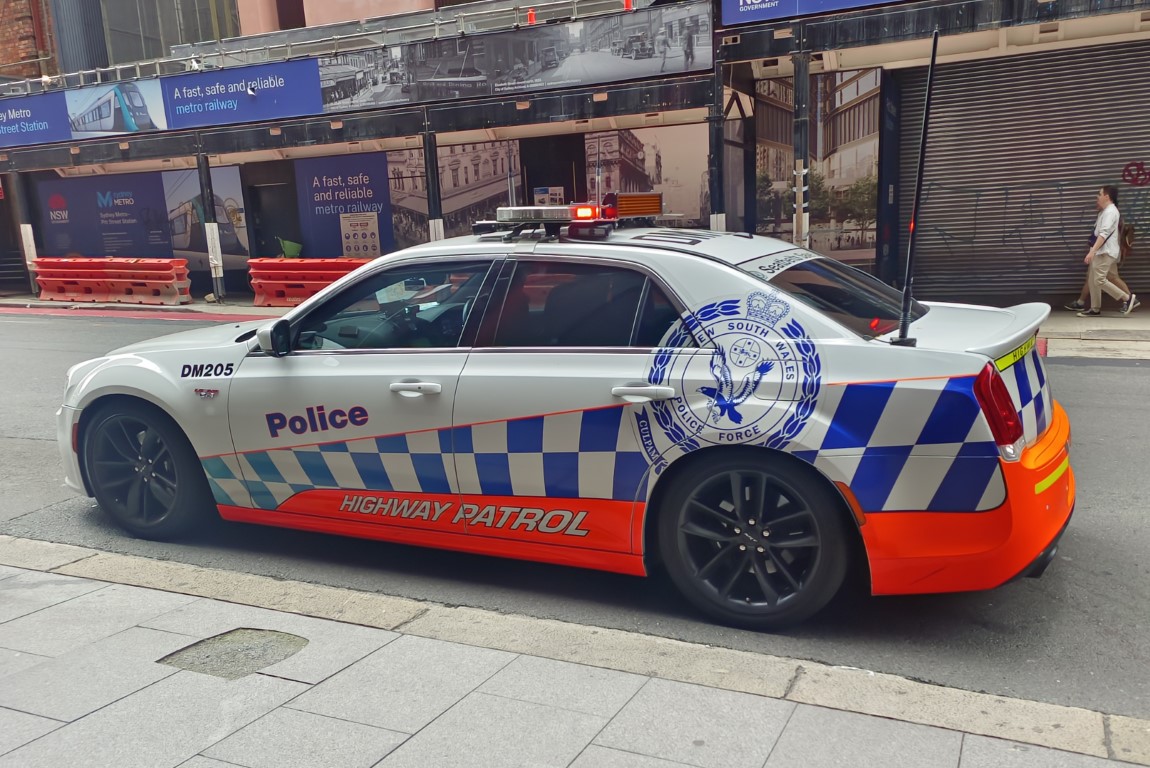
x=1100, y=267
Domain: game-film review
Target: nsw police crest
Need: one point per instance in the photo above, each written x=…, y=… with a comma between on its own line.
x=755, y=382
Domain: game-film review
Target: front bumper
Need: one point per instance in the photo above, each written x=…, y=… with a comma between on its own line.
x=929, y=552
x=67, y=420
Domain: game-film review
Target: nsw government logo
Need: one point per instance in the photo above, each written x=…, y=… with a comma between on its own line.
x=756, y=383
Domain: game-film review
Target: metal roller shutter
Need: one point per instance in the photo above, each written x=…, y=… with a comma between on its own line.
x=1017, y=149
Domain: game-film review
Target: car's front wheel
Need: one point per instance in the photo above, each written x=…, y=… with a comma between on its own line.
x=144, y=472
x=754, y=542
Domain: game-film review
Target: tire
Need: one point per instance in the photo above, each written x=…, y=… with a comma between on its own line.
x=734, y=569
x=144, y=473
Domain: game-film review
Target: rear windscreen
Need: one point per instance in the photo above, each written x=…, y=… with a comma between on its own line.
x=843, y=293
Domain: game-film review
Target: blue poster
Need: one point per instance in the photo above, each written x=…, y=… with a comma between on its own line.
x=34, y=120
x=118, y=215
x=327, y=188
x=243, y=94
x=743, y=11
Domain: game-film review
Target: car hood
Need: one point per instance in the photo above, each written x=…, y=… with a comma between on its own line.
x=982, y=330
x=200, y=338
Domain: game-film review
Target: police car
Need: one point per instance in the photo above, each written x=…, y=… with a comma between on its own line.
x=730, y=407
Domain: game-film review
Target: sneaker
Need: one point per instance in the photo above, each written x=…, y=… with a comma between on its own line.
x=1130, y=304
x=1075, y=306
x=1090, y=313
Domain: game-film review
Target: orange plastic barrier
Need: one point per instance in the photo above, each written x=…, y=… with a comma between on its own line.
x=287, y=282
x=114, y=280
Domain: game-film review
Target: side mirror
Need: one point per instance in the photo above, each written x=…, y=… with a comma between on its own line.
x=275, y=339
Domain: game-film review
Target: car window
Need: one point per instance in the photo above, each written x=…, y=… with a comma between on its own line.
x=407, y=307
x=857, y=300
x=552, y=304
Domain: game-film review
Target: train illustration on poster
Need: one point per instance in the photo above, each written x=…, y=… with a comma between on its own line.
x=186, y=216
x=117, y=108
x=186, y=221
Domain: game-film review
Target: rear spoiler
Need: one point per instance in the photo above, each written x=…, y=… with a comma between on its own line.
x=1016, y=336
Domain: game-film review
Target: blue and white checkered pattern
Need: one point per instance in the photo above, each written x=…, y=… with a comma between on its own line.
x=919, y=445
x=1030, y=389
x=580, y=454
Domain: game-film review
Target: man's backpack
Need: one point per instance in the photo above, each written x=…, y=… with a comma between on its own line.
x=1125, y=240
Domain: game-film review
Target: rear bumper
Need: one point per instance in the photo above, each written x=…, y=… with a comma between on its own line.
x=927, y=552
x=1045, y=557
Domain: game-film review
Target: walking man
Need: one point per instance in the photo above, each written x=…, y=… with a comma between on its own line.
x=1103, y=255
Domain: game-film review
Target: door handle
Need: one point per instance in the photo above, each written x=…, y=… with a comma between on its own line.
x=416, y=388
x=643, y=393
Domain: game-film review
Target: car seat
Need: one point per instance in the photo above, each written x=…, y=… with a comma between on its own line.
x=593, y=311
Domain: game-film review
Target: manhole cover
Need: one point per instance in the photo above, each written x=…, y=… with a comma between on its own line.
x=236, y=653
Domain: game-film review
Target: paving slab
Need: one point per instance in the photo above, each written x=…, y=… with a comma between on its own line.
x=499, y=733
x=699, y=726
x=857, y=690
x=1107, y=349
x=602, y=757
x=12, y=662
x=39, y=555
x=1129, y=738
x=404, y=685
x=984, y=752
x=7, y=571
x=85, y=619
x=162, y=725
x=609, y=648
x=20, y=728
x=368, y=609
x=77, y=683
x=200, y=761
x=331, y=645
x=287, y=738
x=577, y=687
x=26, y=593
x=829, y=739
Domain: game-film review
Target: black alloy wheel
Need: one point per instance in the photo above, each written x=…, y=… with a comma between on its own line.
x=144, y=473
x=755, y=543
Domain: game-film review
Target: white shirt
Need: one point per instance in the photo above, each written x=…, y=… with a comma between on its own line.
x=1106, y=226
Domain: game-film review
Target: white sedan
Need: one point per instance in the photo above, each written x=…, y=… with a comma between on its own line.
x=728, y=406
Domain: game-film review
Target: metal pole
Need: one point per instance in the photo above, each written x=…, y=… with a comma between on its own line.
x=802, y=213
x=750, y=172
x=211, y=227
x=431, y=168
x=908, y=277
x=716, y=145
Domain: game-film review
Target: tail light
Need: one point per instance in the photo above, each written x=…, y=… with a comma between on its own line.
x=1001, y=415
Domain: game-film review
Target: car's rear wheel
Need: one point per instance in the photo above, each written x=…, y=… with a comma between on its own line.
x=754, y=542
x=144, y=472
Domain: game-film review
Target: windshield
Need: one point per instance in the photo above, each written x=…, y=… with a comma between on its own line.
x=845, y=294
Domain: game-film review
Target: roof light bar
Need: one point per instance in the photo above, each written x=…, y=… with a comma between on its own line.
x=535, y=214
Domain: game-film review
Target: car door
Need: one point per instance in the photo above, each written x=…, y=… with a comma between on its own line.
x=548, y=447
x=354, y=424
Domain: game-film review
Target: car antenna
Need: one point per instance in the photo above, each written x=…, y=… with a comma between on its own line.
x=908, y=278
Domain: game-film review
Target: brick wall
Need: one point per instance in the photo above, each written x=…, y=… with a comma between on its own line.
x=18, y=39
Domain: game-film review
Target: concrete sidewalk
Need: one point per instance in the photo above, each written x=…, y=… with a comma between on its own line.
x=112, y=660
